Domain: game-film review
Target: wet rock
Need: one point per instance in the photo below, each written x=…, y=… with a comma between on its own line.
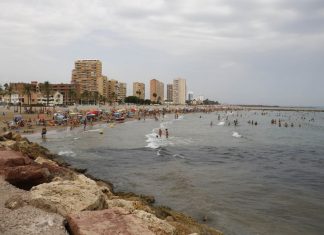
x=116, y=221
x=8, y=135
x=182, y=223
x=25, y=177
x=67, y=196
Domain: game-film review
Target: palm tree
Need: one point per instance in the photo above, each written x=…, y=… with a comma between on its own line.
x=95, y=96
x=85, y=96
x=72, y=95
x=8, y=91
x=46, y=89
x=154, y=95
x=28, y=92
x=139, y=93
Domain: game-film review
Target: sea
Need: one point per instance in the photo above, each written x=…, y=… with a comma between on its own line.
x=243, y=179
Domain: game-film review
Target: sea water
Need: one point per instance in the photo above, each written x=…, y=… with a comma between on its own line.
x=244, y=179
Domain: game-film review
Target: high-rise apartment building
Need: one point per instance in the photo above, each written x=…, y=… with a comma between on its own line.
x=190, y=96
x=170, y=92
x=179, y=91
x=122, y=91
x=156, y=91
x=88, y=75
x=112, y=90
x=139, y=90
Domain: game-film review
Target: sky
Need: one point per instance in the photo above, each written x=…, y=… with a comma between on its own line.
x=235, y=51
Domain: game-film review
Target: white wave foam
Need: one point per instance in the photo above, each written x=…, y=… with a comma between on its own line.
x=67, y=153
x=95, y=130
x=178, y=156
x=221, y=123
x=236, y=134
x=180, y=117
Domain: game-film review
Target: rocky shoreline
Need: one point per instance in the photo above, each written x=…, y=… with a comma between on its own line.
x=41, y=194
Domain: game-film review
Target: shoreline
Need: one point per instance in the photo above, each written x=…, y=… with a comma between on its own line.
x=75, y=196
x=172, y=109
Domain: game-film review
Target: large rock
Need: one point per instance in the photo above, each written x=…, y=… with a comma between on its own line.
x=18, y=218
x=10, y=158
x=116, y=220
x=25, y=177
x=67, y=196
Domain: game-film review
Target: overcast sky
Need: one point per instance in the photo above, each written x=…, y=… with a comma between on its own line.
x=234, y=51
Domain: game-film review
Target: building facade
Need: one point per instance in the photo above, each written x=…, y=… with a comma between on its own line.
x=69, y=92
x=179, y=91
x=156, y=91
x=112, y=90
x=87, y=74
x=139, y=90
x=122, y=91
x=55, y=99
x=169, y=92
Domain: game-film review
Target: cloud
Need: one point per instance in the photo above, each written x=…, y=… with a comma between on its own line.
x=211, y=34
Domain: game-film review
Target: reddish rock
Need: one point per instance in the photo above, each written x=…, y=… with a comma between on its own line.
x=110, y=221
x=25, y=177
x=10, y=158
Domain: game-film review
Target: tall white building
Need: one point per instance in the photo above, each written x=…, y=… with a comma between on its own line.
x=179, y=91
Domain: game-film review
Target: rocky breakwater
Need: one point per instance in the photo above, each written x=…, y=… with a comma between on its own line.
x=43, y=195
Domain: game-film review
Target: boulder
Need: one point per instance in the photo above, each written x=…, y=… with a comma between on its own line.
x=25, y=177
x=67, y=196
x=10, y=158
x=115, y=220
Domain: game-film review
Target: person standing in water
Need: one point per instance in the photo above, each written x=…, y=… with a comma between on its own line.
x=160, y=133
x=211, y=123
x=44, y=131
x=166, y=133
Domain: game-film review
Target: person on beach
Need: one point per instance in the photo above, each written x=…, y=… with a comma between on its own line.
x=160, y=133
x=44, y=132
x=85, y=124
x=166, y=133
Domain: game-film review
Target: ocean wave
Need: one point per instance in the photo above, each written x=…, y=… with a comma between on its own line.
x=236, y=134
x=68, y=153
x=221, y=123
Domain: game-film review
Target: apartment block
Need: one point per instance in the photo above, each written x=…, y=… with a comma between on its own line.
x=179, y=91
x=156, y=91
x=170, y=92
x=122, y=91
x=139, y=90
x=88, y=75
x=112, y=90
